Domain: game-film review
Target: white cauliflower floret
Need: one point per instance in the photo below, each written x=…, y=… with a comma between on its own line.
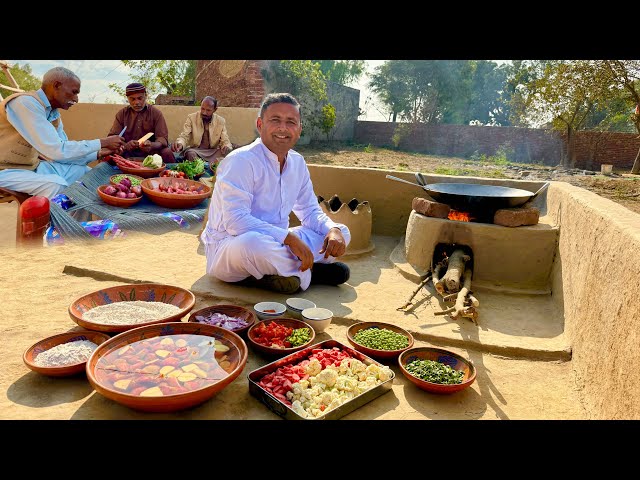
x=373, y=370
x=313, y=368
x=335, y=403
x=303, y=384
x=362, y=376
x=356, y=365
x=385, y=374
x=299, y=409
x=327, y=397
x=346, y=383
x=327, y=376
x=316, y=412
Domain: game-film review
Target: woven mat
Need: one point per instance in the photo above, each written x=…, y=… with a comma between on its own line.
x=144, y=216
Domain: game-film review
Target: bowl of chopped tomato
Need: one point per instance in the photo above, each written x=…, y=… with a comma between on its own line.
x=280, y=336
x=174, y=192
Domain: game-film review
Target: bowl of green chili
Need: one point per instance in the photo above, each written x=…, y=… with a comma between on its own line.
x=437, y=370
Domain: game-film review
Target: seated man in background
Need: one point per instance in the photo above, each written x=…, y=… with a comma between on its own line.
x=141, y=118
x=204, y=134
x=36, y=156
x=247, y=237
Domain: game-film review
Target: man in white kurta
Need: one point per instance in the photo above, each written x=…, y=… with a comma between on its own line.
x=247, y=234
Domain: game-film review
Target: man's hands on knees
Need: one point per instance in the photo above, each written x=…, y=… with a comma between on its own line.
x=300, y=250
x=334, y=244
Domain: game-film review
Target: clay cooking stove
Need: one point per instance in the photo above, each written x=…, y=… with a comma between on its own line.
x=502, y=249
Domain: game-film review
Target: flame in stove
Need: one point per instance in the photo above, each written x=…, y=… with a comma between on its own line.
x=459, y=216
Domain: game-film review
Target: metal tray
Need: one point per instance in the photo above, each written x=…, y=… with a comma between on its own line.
x=282, y=410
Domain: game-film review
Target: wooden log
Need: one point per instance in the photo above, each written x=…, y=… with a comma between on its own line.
x=455, y=270
x=438, y=283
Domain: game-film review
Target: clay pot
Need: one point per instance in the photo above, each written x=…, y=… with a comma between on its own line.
x=356, y=216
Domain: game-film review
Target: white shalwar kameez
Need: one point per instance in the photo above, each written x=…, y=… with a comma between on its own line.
x=244, y=234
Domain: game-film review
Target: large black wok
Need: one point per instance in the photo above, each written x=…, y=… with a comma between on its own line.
x=475, y=197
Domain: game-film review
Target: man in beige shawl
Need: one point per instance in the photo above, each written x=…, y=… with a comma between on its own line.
x=204, y=134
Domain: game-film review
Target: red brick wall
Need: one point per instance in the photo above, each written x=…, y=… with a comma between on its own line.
x=529, y=145
x=235, y=83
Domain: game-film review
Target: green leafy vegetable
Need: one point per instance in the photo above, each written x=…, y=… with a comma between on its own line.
x=191, y=168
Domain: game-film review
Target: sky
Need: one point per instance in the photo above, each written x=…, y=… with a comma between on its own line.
x=96, y=75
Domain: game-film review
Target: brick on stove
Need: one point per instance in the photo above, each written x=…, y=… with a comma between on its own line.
x=516, y=217
x=430, y=208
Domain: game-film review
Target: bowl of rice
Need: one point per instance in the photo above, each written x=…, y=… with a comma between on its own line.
x=230, y=317
x=121, y=308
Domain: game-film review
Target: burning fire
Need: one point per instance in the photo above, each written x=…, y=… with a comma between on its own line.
x=460, y=216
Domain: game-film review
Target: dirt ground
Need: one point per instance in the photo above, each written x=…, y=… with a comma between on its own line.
x=621, y=187
x=506, y=388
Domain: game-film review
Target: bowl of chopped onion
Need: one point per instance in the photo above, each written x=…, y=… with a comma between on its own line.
x=437, y=370
x=64, y=354
x=231, y=317
x=121, y=308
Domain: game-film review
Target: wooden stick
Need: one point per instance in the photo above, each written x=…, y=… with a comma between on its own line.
x=415, y=292
x=466, y=286
x=474, y=301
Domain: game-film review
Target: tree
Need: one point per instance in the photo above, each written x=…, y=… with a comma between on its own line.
x=344, y=72
x=24, y=78
x=304, y=80
x=173, y=77
x=442, y=91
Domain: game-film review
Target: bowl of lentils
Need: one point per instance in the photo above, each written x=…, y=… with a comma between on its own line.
x=383, y=341
x=437, y=370
x=230, y=317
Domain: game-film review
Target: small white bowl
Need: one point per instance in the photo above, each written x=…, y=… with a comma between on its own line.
x=295, y=306
x=262, y=306
x=318, y=318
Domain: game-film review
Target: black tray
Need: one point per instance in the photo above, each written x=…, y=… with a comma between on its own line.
x=284, y=411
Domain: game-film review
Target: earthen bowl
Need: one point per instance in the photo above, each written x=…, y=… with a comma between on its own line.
x=374, y=352
x=112, y=178
x=147, y=292
x=441, y=355
x=235, y=311
x=116, y=201
x=143, y=172
x=175, y=200
x=279, y=352
x=167, y=367
x=65, y=370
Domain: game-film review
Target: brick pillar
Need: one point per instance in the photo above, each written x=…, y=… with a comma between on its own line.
x=235, y=83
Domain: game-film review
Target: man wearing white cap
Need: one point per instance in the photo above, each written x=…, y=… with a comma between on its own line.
x=141, y=118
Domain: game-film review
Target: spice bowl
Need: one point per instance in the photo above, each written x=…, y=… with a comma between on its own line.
x=296, y=305
x=59, y=367
x=382, y=334
x=260, y=328
x=240, y=318
x=318, y=318
x=266, y=310
x=446, y=357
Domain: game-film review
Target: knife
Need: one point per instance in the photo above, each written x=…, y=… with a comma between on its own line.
x=122, y=132
x=145, y=138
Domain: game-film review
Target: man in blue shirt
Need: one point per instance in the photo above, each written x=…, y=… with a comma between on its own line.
x=36, y=156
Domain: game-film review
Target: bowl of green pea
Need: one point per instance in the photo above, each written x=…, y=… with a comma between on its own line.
x=437, y=370
x=379, y=340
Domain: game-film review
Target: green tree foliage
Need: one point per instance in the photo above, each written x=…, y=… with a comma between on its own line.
x=344, y=72
x=573, y=95
x=442, y=91
x=173, y=77
x=24, y=76
x=304, y=80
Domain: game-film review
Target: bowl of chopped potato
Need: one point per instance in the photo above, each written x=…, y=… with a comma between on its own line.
x=437, y=370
